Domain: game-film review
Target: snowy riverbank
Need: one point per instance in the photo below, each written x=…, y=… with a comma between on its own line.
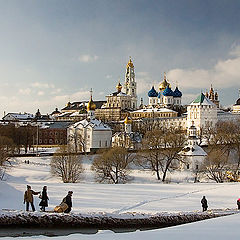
x=41, y=223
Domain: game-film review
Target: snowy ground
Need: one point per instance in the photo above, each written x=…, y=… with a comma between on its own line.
x=143, y=195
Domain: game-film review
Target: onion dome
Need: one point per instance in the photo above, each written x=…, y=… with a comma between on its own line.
x=168, y=92
x=152, y=92
x=127, y=120
x=130, y=64
x=119, y=87
x=68, y=104
x=91, y=105
x=56, y=111
x=238, y=102
x=159, y=95
x=177, y=92
x=164, y=84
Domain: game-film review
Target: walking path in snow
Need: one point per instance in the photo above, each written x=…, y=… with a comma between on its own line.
x=164, y=198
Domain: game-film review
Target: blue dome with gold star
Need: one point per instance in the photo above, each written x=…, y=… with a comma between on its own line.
x=152, y=92
x=168, y=92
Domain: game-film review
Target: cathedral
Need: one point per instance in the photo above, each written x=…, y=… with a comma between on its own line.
x=166, y=97
x=119, y=103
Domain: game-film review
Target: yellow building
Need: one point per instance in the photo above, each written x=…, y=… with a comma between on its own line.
x=153, y=113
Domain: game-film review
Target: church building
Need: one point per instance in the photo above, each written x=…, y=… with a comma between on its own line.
x=89, y=134
x=166, y=97
x=119, y=103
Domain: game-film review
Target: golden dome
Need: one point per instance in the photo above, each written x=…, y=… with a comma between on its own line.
x=91, y=105
x=127, y=120
x=163, y=85
x=130, y=64
x=119, y=87
x=68, y=104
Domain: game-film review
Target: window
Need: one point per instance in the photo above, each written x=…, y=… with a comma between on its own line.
x=106, y=143
x=100, y=143
x=188, y=166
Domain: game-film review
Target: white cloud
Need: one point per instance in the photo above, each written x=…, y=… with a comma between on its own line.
x=109, y=76
x=56, y=91
x=40, y=93
x=144, y=82
x=24, y=91
x=42, y=85
x=86, y=58
x=224, y=74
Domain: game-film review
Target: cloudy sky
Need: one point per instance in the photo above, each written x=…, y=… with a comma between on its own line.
x=55, y=51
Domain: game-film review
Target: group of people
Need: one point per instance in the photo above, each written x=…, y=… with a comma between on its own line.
x=28, y=199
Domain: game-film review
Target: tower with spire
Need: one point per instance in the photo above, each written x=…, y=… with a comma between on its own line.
x=213, y=96
x=130, y=84
x=91, y=107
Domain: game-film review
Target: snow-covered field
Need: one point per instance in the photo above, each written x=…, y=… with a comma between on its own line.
x=143, y=195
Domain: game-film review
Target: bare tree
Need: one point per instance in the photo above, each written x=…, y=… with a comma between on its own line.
x=66, y=165
x=151, y=156
x=160, y=150
x=220, y=144
x=77, y=140
x=216, y=165
x=6, y=149
x=113, y=165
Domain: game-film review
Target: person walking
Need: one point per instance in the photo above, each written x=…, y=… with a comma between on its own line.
x=44, y=199
x=238, y=203
x=68, y=201
x=204, y=204
x=28, y=198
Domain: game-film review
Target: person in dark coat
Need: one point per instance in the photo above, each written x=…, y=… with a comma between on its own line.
x=68, y=201
x=44, y=197
x=28, y=198
x=204, y=204
x=238, y=203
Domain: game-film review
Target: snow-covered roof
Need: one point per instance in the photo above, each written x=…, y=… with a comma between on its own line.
x=150, y=110
x=118, y=94
x=193, y=151
x=20, y=116
x=93, y=123
x=76, y=114
x=64, y=114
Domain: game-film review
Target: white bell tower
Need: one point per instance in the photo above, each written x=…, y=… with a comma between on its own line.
x=130, y=84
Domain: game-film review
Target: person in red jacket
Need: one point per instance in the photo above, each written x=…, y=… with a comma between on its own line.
x=238, y=203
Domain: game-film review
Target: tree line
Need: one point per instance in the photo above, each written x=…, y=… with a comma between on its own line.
x=12, y=139
x=159, y=154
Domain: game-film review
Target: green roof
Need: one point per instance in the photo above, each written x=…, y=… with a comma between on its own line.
x=199, y=99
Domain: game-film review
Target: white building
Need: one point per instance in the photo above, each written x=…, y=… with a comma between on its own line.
x=203, y=112
x=89, y=134
x=127, y=138
x=193, y=154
